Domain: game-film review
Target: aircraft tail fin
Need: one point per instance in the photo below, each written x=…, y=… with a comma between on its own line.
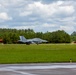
x=22, y=38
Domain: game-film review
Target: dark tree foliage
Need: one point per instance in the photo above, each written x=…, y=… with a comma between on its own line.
x=73, y=36
x=12, y=35
x=74, y=33
x=60, y=36
x=47, y=36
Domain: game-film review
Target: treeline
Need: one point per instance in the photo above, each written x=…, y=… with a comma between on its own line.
x=73, y=36
x=12, y=35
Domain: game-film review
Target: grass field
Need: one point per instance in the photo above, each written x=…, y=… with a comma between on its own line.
x=42, y=53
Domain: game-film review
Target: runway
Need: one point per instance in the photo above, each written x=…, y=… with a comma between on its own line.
x=38, y=69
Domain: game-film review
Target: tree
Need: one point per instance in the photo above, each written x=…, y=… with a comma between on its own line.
x=12, y=35
x=60, y=36
x=47, y=36
x=73, y=36
x=39, y=35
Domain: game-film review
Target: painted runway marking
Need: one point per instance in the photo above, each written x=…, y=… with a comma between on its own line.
x=23, y=73
x=14, y=69
x=38, y=69
x=10, y=68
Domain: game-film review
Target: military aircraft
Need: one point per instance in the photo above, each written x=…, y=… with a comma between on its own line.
x=31, y=41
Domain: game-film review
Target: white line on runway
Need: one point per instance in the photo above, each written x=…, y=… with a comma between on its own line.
x=41, y=67
x=23, y=73
x=10, y=68
x=17, y=68
x=13, y=70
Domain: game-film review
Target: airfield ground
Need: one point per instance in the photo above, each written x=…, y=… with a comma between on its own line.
x=38, y=69
x=42, y=53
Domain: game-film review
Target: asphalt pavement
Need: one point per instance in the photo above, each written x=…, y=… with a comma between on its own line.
x=38, y=69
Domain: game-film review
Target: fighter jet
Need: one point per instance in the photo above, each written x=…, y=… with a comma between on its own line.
x=31, y=41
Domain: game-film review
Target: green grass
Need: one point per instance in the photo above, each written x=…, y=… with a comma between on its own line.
x=42, y=53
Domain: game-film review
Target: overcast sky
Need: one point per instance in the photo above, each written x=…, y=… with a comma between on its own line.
x=39, y=15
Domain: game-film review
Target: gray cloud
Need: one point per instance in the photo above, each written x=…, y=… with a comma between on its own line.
x=40, y=15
